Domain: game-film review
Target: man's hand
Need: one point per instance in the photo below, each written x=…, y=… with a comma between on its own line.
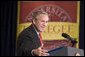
x=40, y=52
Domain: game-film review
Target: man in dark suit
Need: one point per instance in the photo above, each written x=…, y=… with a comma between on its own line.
x=29, y=42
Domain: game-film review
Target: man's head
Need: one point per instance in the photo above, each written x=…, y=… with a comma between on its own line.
x=40, y=20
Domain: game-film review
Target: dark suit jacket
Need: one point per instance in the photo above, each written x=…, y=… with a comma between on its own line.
x=27, y=41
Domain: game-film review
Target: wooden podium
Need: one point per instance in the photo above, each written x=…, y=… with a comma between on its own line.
x=66, y=51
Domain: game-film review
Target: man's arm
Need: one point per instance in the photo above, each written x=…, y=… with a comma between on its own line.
x=25, y=45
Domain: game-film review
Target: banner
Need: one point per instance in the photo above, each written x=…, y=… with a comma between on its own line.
x=64, y=18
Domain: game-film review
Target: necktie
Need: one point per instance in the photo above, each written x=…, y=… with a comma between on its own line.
x=40, y=38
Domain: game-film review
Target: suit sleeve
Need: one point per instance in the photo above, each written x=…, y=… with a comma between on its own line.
x=25, y=45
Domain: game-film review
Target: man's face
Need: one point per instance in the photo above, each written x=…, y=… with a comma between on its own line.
x=41, y=22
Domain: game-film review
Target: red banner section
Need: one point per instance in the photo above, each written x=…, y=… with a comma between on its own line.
x=59, y=11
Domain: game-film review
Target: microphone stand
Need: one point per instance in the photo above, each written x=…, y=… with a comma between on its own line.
x=73, y=42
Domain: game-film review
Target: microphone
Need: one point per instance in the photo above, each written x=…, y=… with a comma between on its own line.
x=73, y=41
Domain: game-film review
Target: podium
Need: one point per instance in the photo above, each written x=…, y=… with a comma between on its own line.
x=66, y=51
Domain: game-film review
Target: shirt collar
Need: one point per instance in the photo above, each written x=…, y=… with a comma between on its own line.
x=35, y=29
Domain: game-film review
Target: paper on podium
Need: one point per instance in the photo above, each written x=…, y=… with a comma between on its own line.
x=54, y=50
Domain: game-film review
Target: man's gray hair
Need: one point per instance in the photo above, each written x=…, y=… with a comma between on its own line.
x=37, y=13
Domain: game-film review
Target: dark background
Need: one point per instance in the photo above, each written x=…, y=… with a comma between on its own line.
x=8, y=22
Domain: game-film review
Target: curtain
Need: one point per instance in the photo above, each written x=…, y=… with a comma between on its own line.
x=8, y=27
x=81, y=36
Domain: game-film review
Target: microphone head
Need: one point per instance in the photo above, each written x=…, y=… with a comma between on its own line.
x=73, y=41
x=65, y=35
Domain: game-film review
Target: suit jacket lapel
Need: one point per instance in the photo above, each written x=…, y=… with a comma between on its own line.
x=36, y=39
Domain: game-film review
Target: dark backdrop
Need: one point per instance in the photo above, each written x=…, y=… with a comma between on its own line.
x=8, y=27
x=9, y=24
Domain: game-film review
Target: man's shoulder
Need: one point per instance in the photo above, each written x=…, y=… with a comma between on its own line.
x=28, y=30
